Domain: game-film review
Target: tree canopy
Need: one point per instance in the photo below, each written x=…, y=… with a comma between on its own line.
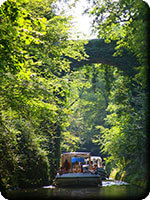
x=33, y=90
x=124, y=134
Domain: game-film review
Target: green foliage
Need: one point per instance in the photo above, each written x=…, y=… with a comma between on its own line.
x=88, y=104
x=34, y=88
x=123, y=136
x=125, y=22
x=31, y=158
x=46, y=106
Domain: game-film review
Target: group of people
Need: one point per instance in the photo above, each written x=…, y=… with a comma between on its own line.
x=77, y=168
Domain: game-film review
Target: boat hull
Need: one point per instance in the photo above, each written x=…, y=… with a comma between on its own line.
x=77, y=179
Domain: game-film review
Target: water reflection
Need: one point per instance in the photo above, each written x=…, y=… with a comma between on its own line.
x=109, y=189
x=76, y=193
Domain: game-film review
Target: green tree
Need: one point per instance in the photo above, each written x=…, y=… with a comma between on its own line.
x=127, y=23
x=88, y=102
x=34, y=88
x=124, y=134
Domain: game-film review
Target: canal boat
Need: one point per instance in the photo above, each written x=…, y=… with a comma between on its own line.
x=74, y=171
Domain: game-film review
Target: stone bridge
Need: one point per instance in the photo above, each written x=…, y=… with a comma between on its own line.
x=101, y=52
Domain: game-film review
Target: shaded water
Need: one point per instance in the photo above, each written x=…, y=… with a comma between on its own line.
x=109, y=189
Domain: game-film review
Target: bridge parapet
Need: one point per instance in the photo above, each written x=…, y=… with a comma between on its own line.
x=101, y=52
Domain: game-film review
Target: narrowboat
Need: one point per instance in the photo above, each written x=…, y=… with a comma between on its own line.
x=74, y=171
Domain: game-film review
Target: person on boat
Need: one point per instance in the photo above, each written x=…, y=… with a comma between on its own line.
x=100, y=162
x=95, y=169
x=66, y=166
x=81, y=166
x=76, y=167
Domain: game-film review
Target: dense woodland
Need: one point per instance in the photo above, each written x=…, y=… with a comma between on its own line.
x=48, y=106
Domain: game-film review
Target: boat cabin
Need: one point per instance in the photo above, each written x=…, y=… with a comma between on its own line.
x=75, y=161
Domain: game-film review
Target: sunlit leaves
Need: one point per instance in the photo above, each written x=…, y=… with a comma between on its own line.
x=88, y=106
x=71, y=142
x=34, y=87
x=126, y=22
x=124, y=139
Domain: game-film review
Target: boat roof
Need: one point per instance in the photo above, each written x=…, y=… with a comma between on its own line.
x=76, y=153
x=95, y=157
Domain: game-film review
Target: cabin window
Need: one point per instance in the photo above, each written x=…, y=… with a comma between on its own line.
x=79, y=159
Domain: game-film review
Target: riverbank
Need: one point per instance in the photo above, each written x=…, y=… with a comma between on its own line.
x=134, y=179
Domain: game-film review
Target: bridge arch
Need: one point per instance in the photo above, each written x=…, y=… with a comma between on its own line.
x=101, y=52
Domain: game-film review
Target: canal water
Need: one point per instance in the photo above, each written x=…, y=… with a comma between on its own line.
x=110, y=189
